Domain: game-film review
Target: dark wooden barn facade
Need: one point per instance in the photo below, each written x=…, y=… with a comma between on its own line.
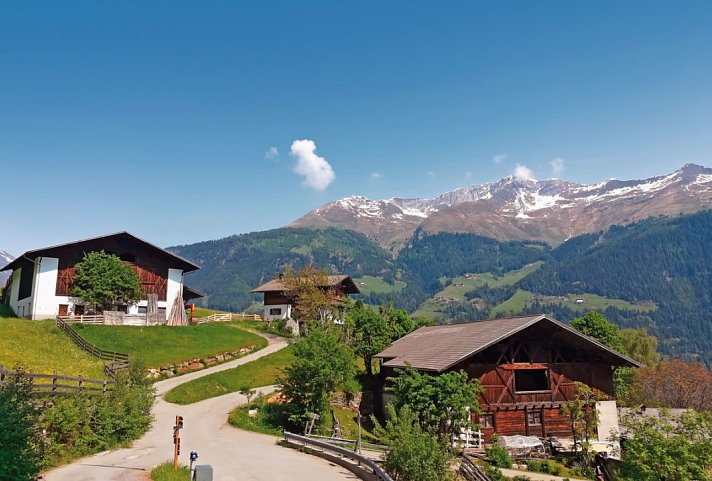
x=527, y=367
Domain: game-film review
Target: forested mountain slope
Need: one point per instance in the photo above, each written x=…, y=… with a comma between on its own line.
x=668, y=261
x=233, y=266
x=656, y=273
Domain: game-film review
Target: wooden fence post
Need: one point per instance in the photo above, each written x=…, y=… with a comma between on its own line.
x=54, y=382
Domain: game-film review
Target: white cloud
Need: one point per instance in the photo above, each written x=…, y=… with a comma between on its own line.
x=431, y=174
x=317, y=172
x=499, y=158
x=468, y=174
x=557, y=167
x=376, y=175
x=522, y=172
x=272, y=153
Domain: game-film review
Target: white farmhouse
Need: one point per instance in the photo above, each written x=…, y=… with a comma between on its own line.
x=42, y=279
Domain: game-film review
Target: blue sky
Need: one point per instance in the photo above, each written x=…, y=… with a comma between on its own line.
x=156, y=117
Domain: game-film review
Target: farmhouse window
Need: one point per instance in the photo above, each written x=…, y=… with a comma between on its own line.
x=275, y=311
x=534, y=418
x=486, y=421
x=531, y=380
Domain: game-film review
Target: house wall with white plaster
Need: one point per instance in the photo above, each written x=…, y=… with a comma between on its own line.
x=285, y=312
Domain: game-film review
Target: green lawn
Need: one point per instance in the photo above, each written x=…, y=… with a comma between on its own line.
x=599, y=303
x=272, y=419
x=461, y=284
x=514, y=304
x=261, y=372
x=377, y=285
x=162, y=345
x=521, y=299
x=40, y=346
x=166, y=472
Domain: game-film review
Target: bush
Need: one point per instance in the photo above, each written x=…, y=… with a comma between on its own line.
x=499, y=456
x=546, y=467
x=414, y=453
x=80, y=425
x=20, y=442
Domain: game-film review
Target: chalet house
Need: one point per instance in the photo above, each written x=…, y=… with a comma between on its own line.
x=279, y=303
x=526, y=365
x=42, y=279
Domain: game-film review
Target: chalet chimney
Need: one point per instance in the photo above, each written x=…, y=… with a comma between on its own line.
x=281, y=277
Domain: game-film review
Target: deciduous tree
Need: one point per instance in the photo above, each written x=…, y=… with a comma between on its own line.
x=414, y=453
x=667, y=449
x=442, y=403
x=321, y=364
x=103, y=280
x=673, y=384
x=313, y=296
x=641, y=346
x=595, y=325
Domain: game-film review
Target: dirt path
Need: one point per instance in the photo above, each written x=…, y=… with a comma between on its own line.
x=234, y=454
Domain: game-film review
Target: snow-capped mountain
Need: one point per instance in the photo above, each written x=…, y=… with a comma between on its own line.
x=5, y=259
x=549, y=210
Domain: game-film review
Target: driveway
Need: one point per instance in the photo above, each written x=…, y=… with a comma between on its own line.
x=234, y=454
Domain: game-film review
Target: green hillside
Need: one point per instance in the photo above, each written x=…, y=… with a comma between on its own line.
x=41, y=347
x=233, y=266
x=653, y=274
x=665, y=261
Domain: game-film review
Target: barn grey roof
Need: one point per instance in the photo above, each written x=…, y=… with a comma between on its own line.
x=437, y=348
x=276, y=285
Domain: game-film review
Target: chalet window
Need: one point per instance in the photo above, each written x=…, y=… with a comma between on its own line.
x=534, y=418
x=486, y=421
x=275, y=311
x=528, y=380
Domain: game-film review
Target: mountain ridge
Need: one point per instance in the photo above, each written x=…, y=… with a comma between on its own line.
x=5, y=259
x=550, y=210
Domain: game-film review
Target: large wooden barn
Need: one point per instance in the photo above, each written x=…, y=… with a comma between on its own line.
x=42, y=279
x=526, y=365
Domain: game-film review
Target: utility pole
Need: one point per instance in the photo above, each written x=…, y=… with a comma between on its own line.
x=176, y=440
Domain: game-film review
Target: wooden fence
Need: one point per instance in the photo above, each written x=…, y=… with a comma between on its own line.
x=470, y=471
x=82, y=319
x=119, y=360
x=55, y=384
x=226, y=316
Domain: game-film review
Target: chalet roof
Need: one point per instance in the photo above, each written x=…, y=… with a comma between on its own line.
x=276, y=285
x=184, y=264
x=437, y=348
x=190, y=293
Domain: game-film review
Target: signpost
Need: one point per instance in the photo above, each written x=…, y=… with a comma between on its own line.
x=176, y=440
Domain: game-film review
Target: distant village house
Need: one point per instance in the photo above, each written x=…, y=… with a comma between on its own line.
x=42, y=279
x=526, y=365
x=279, y=302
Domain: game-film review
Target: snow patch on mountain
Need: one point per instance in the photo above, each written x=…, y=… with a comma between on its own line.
x=566, y=208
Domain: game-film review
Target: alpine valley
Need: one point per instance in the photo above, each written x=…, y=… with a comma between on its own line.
x=636, y=250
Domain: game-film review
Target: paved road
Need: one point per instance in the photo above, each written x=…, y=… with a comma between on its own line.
x=233, y=453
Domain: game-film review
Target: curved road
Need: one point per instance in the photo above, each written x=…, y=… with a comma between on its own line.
x=235, y=455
